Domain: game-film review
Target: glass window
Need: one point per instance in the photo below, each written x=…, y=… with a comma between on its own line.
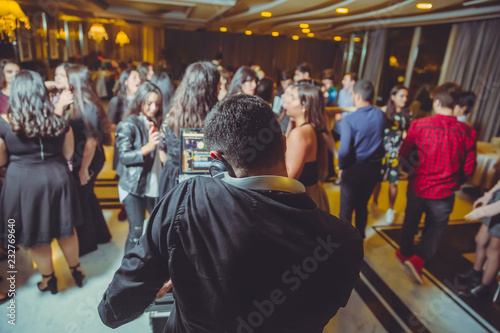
x=395, y=61
x=431, y=50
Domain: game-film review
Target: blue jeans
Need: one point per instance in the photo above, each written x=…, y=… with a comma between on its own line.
x=136, y=212
x=437, y=214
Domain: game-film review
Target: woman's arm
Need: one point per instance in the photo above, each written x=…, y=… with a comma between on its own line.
x=69, y=144
x=297, y=145
x=88, y=156
x=4, y=157
x=163, y=157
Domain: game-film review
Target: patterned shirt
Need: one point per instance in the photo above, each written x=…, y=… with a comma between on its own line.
x=439, y=154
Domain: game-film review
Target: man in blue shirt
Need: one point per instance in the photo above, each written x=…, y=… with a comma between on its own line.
x=360, y=154
x=345, y=94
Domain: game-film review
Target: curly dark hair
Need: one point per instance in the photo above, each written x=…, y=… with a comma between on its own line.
x=244, y=130
x=30, y=111
x=81, y=84
x=195, y=97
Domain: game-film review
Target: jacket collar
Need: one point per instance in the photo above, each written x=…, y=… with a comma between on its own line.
x=265, y=183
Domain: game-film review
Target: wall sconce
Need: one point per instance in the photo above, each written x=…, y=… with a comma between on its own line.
x=122, y=39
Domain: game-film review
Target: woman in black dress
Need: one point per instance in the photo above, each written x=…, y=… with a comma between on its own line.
x=307, y=144
x=91, y=130
x=39, y=199
x=193, y=99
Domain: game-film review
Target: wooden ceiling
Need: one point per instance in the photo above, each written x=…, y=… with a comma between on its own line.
x=286, y=15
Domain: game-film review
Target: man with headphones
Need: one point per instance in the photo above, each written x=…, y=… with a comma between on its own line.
x=247, y=250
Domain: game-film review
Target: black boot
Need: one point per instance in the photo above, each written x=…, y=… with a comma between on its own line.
x=479, y=291
x=471, y=277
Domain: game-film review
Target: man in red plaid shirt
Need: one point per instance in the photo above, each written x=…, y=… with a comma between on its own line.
x=439, y=154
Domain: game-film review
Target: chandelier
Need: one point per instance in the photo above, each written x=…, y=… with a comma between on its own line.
x=61, y=34
x=97, y=32
x=122, y=39
x=11, y=16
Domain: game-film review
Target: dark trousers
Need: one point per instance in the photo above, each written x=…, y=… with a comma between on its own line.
x=136, y=211
x=358, y=182
x=437, y=214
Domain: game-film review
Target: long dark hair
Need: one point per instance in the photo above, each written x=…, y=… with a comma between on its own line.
x=195, y=97
x=122, y=104
x=30, y=111
x=390, y=111
x=143, y=69
x=312, y=99
x=84, y=93
x=265, y=89
x=242, y=75
x=3, y=82
x=140, y=98
x=162, y=81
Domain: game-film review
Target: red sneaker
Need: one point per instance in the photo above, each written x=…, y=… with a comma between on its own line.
x=401, y=257
x=122, y=215
x=414, y=267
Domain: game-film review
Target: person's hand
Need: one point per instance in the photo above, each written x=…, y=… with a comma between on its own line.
x=476, y=214
x=65, y=99
x=339, y=175
x=84, y=176
x=338, y=117
x=166, y=287
x=483, y=201
x=154, y=138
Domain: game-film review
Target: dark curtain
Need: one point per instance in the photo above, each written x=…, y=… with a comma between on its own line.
x=475, y=65
x=375, y=56
x=270, y=53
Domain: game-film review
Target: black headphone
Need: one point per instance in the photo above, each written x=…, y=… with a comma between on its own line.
x=218, y=167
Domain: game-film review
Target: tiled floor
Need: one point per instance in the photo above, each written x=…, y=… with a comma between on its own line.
x=384, y=299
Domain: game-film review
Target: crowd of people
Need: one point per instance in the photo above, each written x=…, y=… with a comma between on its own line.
x=52, y=138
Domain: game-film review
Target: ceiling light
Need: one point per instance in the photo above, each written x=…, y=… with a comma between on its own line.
x=223, y=29
x=275, y=34
x=342, y=10
x=304, y=25
x=357, y=39
x=295, y=37
x=248, y=32
x=266, y=14
x=121, y=38
x=306, y=31
x=424, y=5
x=97, y=32
x=310, y=34
x=337, y=38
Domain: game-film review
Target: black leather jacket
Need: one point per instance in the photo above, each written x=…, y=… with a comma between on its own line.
x=131, y=134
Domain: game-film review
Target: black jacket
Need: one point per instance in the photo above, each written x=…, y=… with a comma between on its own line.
x=131, y=134
x=234, y=254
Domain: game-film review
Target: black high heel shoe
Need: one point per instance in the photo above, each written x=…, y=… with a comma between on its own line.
x=51, y=284
x=77, y=275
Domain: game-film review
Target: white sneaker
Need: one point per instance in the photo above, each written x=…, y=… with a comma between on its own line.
x=389, y=216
